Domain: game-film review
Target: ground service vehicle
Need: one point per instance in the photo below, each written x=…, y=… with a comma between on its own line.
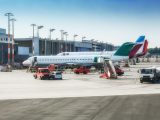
x=151, y=74
x=57, y=75
x=51, y=67
x=44, y=73
x=82, y=69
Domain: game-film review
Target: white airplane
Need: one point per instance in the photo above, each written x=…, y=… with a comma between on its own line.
x=140, y=48
x=86, y=53
x=121, y=54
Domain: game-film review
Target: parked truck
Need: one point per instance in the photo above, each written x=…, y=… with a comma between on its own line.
x=82, y=69
x=151, y=74
x=45, y=73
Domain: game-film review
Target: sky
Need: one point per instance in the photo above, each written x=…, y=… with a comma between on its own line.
x=112, y=21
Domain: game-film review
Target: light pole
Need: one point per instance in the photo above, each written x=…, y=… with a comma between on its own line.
x=50, y=37
x=92, y=40
x=61, y=45
x=96, y=45
x=58, y=46
x=66, y=34
x=66, y=42
x=38, y=28
x=83, y=38
x=13, y=20
x=33, y=25
x=74, y=38
x=9, y=15
x=102, y=46
x=62, y=32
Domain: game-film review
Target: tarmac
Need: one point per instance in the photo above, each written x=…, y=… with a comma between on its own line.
x=79, y=97
x=128, y=107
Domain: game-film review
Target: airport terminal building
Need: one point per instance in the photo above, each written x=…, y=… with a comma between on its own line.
x=52, y=47
x=25, y=47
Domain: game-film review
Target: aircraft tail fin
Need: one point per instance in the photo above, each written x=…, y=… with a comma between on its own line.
x=138, y=47
x=132, y=49
x=140, y=39
x=145, y=48
x=125, y=49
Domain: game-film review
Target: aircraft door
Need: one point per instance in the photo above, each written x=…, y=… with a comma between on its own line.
x=34, y=61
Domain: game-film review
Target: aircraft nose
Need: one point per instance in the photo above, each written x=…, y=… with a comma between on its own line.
x=26, y=63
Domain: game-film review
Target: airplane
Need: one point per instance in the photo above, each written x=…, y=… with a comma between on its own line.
x=139, y=49
x=120, y=55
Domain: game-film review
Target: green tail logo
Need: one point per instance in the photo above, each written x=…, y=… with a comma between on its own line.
x=125, y=49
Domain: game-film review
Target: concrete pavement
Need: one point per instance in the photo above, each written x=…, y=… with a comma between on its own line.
x=137, y=107
x=78, y=97
x=21, y=85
